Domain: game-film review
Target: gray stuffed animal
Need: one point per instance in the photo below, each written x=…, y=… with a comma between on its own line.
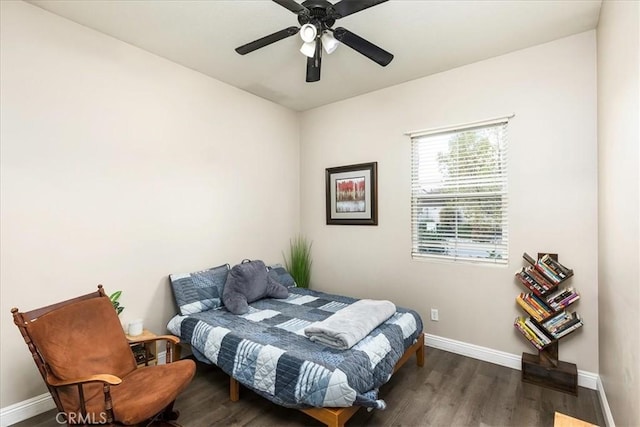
x=248, y=282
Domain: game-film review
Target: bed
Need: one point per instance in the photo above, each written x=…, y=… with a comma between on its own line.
x=267, y=351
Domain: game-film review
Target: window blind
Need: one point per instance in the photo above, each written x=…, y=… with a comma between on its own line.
x=459, y=203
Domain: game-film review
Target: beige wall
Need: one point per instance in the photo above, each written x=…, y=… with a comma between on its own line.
x=619, y=207
x=119, y=167
x=552, y=189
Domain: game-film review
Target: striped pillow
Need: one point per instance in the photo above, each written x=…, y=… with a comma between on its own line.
x=278, y=272
x=199, y=291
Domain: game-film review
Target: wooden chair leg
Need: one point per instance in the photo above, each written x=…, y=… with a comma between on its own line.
x=170, y=414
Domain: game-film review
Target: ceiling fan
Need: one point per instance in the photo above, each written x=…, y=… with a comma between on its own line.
x=316, y=18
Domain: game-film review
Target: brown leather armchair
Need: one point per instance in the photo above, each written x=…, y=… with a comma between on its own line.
x=85, y=359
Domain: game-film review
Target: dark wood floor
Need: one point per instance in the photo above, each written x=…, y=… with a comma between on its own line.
x=450, y=390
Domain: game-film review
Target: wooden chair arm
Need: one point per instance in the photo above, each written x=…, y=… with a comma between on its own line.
x=102, y=378
x=170, y=338
x=107, y=381
x=173, y=349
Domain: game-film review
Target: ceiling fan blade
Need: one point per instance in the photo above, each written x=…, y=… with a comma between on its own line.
x=267, y=40
x=313, y=65
x=347, y=7
x=363, y=46
x=292, y=5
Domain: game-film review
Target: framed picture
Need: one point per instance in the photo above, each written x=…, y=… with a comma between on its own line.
x=352, y=194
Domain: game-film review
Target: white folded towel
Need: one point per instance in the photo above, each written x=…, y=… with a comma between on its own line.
x=349, y=325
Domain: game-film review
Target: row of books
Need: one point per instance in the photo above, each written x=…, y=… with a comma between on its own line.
x=562, y=324
x=562, y=298
x=541, y=308
x=541, y=336
x=531, y=279
x=549, y=268
x=534, y=306
x=532, y=332
x=546, y=303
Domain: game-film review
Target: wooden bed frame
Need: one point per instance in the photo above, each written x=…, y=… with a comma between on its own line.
x=337, y=417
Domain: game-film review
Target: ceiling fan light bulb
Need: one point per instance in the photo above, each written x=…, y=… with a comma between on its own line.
x=308, y=33
x=309, y=49
x=329, y=43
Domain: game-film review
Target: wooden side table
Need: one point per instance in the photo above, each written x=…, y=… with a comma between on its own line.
x=146, y=353
x=562, y=420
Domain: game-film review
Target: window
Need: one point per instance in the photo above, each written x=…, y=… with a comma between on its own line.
x=459, y=193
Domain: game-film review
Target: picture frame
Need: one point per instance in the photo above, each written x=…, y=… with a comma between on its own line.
x=352, y=194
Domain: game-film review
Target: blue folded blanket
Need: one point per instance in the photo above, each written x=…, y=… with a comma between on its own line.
x=348, y=326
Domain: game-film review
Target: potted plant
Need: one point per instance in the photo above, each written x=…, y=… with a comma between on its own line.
x=299, y=262
x=114, y=297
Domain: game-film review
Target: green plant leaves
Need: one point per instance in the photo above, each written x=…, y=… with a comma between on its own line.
x=299, y=262
x=114, y=297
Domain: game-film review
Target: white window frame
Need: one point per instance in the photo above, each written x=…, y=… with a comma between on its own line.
x=431, y=194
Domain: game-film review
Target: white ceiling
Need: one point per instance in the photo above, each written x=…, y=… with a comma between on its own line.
x=426, y=37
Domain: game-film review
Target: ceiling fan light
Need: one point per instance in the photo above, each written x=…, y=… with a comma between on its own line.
x=309, y=49
x=308, y=33
x=329, y=42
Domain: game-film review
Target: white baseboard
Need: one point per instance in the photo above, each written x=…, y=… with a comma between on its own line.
x=474, y=351
x=37, y=405
x=585, y=379
x=26, y=409
x=604, y=404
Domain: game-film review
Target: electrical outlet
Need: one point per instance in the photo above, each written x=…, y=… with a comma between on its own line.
x=434, y=314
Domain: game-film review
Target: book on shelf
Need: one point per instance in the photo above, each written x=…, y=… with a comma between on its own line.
x=528, y=258
x=520, y=325
x=559, y=294
x=570, y=300
x=140, y=353
x=548, y=273
x=528, y=309
x=562, y=323
x=562, y=298
x=538, y=332
x=531, y=284
x=541, y=305
x=549, y=268
x=567, y=330
x=533, y=306
x=570, y=319
x=568, y=323
x=555, y=320
x=558, y=269
x=539, y=278
x=532, y=332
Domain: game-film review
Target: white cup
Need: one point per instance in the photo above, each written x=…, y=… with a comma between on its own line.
x=135, y=327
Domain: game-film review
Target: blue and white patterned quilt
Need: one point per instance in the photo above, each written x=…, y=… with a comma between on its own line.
x=266, y=350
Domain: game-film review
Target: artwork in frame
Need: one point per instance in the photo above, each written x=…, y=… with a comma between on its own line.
x=352, y=194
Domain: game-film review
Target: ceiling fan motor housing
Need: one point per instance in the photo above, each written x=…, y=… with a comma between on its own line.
x=320, y=13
